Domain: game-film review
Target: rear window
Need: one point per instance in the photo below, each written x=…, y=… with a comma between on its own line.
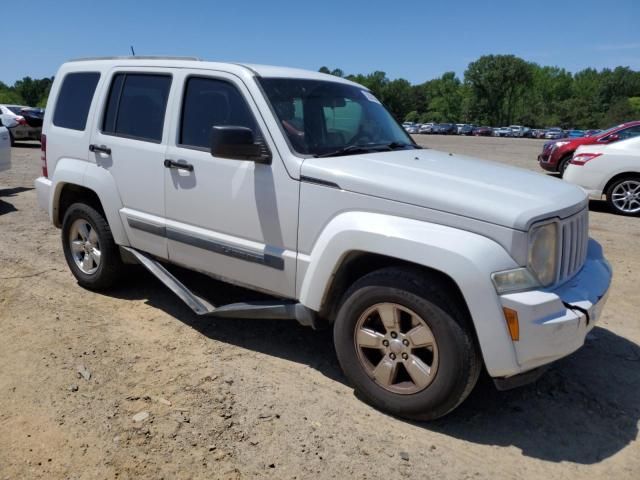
x=136, y=106
x=74, y=100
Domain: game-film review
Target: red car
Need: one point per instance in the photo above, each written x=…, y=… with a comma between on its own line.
x=557, y=154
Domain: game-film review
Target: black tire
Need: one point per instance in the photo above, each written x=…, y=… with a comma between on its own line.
x=12, y=139
x=609, y=195
x=564, y=163
x=459, y=363
x=110, y=266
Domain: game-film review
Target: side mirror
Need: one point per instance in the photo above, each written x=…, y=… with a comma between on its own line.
x=238, y=143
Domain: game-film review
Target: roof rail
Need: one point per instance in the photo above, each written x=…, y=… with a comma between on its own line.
x=135, y=57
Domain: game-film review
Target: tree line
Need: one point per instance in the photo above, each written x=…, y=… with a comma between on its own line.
x=28, y=91
x=500, y=90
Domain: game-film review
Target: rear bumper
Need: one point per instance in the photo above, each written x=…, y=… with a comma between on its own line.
x=555, y=323
x=43, y=193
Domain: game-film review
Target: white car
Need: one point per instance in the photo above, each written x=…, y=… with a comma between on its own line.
x=20, y=128
x=429, y=266
x=612, y=171
x=5, y=149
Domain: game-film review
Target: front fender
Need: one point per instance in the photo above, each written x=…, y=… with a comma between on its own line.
x=97, y=179
x=468, y=258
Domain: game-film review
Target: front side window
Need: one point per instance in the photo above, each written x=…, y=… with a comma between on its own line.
x=210, y=102
x=74, y=100
x=136, y=106
x=323, y=118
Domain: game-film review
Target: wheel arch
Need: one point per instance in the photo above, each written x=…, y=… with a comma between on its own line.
x=77, y=181
x=462, y=260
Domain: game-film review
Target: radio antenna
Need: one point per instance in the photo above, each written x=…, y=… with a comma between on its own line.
x=133, y=51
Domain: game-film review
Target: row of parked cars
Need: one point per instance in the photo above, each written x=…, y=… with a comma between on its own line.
x=22, y=122
x=518, y=131
x=603, y=164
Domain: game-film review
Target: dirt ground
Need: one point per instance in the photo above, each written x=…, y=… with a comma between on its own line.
x=266, y=399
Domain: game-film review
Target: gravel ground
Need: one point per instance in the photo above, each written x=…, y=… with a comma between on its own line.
x=131, y=384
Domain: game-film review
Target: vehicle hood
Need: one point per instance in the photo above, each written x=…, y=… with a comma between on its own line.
x=457, y=184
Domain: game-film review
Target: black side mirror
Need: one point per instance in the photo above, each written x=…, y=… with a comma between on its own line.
x=238, y=143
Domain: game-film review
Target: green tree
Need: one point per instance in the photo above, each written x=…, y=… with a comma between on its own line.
x=496, y=82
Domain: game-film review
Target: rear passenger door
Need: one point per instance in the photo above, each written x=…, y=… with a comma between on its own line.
x=129, y=141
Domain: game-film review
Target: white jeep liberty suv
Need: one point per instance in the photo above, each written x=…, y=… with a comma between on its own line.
x=428, y=265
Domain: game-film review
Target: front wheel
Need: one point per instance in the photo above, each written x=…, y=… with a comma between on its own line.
x=405, y=344
x=92, y=255
x=564, y=163
x=623, y=196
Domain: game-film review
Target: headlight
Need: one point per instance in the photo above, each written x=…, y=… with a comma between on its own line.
x=542, y=260
x=559, y=144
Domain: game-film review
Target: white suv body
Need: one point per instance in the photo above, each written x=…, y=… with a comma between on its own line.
x=5, y=149
x=368, y=228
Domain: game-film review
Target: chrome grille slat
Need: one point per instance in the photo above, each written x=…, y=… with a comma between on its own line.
x=574, y=243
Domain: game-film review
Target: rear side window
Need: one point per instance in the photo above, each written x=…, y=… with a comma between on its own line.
x=74, y=100
x=136, y=106
x=209, y=102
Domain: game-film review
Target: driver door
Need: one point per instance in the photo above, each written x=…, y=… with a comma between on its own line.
x=234, y=219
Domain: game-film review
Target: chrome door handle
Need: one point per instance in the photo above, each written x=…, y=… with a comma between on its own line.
x=180, y=165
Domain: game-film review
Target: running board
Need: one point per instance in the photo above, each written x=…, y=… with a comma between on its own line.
x=272, y=310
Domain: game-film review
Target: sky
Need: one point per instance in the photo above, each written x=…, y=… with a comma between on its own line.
x=417, y=40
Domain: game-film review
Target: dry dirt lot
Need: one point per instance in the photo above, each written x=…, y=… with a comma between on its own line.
x=266, y=399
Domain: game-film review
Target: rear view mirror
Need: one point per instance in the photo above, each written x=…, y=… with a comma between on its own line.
x=238, y=143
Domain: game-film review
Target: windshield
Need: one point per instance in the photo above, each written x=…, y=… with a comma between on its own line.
x=322, y=117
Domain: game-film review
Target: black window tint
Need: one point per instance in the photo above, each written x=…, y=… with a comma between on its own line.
x=208, y=103
x=136, y=106
x=74, y=100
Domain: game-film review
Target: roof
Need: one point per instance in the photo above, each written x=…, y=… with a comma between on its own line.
x=270, y=71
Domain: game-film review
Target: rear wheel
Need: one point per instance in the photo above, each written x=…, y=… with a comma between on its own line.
x=623, y=195
x=91, y=253
x=405, y=344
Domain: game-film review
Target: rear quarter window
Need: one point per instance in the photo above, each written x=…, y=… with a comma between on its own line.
x=74, y=100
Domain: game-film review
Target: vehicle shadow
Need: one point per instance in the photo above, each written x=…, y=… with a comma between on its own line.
x=583, y=410
x=6, y=207
x=599, y=206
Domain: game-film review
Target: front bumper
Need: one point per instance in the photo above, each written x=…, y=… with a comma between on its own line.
x=555, y=323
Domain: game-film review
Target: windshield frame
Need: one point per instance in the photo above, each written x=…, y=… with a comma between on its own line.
x=284, y=134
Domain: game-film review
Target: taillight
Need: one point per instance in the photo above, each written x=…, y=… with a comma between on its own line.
x=21, y=120
x=582, y=158
x=43, y=155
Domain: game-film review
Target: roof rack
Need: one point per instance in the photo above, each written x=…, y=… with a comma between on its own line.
x=135, y=57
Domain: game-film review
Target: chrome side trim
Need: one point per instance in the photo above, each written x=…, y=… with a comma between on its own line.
x=268, y=259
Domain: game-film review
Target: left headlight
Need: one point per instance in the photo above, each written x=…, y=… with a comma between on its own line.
x=543, y=253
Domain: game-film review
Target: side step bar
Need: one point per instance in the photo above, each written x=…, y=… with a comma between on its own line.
x=273, y=310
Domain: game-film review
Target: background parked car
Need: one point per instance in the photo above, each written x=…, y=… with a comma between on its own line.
x=425, y=128
x=445, y=128
x=588, y=133
x=555, y=156
x=483, y=131
x=575, y=133
x=23, y=129
x=466, y=129
x=412, y=129
x=516, y=130
x=611, y=170
x=554, y=133
x=503, y=132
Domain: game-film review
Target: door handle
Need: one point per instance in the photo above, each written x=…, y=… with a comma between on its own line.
x=100, y=149
x=181, y=165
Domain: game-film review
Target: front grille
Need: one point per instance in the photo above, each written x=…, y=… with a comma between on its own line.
x=574, y=237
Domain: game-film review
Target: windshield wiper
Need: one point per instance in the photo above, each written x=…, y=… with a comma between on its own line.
x=398, y=145
x=351, y=149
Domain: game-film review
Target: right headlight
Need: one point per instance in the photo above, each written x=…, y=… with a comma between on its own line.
x=543, y=253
